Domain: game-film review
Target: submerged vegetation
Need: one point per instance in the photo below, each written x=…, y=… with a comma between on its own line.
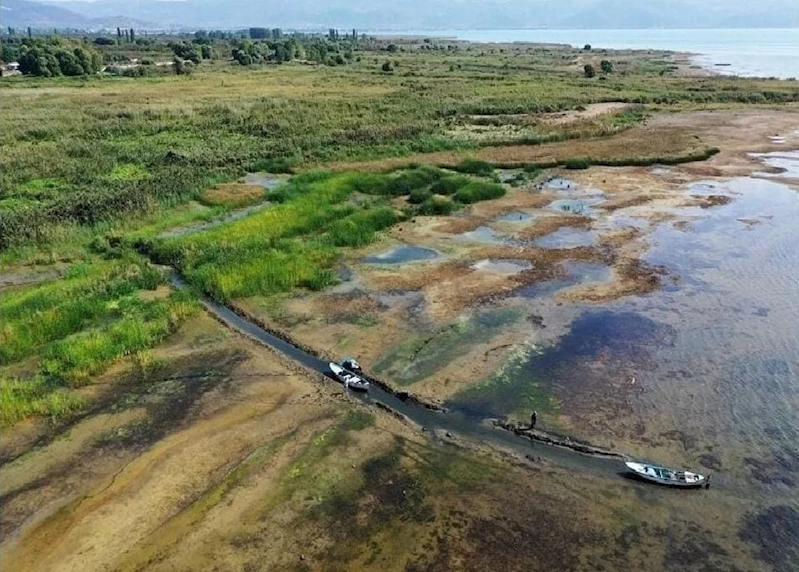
x=420, y=356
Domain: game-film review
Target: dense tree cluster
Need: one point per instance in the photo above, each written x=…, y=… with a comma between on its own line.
x=249, y=52
x=53, y=57
x=187, y=51
x=202, y=36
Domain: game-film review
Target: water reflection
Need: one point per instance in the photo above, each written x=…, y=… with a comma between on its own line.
x=402, y=255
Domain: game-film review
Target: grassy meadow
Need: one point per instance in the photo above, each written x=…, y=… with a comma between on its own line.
x=94, y=170
x=57, y=335
x=87, y=152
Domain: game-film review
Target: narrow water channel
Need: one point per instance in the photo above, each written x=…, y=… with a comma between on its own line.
x=461, y=425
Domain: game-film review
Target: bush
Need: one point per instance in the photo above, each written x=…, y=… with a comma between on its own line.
x=436, y=206
x=370, y=184
x=577, y=164
x=589, y=70
x=475, y=167
x=387, y=67
x=275, y=165
x=477, y=191
x=449, y=185
x=418, y=178
x=418, y=196
x=137, y=71
x=359, y=228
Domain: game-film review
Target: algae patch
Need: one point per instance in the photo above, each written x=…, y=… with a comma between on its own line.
x=421, y=355
x=511, y=389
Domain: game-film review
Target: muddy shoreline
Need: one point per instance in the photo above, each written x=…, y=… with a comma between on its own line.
x=539, y=436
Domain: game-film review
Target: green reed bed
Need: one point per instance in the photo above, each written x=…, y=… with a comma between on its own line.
x=87, y=295
x=294, y=244
x=38, y=396
x=476, y=191
x=56, y=335
x=143, y=324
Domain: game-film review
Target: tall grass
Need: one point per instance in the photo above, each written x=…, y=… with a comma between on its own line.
x=359, y=228
x=88, y=294
x=73, y=328
x=476, y=191
x=294, y=243
x=73, y=360
x=475, y=167
x=449, y=185
x=100, y=151
x=38, y=396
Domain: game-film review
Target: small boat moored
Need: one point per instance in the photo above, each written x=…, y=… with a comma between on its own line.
x=349, y=379
x=352, y=366
x=668, y=477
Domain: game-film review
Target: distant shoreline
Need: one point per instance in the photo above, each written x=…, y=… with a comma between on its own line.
x=747, y=52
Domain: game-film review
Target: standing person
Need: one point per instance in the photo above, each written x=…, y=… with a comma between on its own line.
x=533, y=419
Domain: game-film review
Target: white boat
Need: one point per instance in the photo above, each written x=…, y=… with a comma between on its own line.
x=666, y=476
x=349, y=379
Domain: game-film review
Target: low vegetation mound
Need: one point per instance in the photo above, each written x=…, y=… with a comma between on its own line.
x=293, y=244
x=233, y=194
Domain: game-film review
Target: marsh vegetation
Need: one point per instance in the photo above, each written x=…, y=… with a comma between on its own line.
x=157, y=424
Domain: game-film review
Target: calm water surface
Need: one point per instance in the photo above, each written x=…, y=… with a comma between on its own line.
x=705, y=371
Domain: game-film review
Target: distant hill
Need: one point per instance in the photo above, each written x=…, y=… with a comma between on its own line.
x=408, y=14
x=23, y=14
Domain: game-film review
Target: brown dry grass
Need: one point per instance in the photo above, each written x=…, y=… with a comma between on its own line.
x=633, y=276
x=342, y=307
x=550, y=224
x=623, y=202
x=484, y=212
x=540, y=256
x=591, y=111
x=619, y=238
x=662, y=141
x=233, y=194
x=418, y=278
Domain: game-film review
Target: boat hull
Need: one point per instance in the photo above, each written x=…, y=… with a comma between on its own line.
x=666, y=477
x=349, y=379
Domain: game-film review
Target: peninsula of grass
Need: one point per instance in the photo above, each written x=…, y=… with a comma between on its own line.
x=294, y=244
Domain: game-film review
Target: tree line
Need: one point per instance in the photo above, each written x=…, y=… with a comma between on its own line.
x=314, y=49
x=53, y=57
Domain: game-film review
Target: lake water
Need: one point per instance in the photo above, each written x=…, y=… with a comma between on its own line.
x=752, y=53
x=702, y=372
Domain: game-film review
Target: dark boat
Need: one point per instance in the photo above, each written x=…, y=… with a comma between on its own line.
x=352, y=366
